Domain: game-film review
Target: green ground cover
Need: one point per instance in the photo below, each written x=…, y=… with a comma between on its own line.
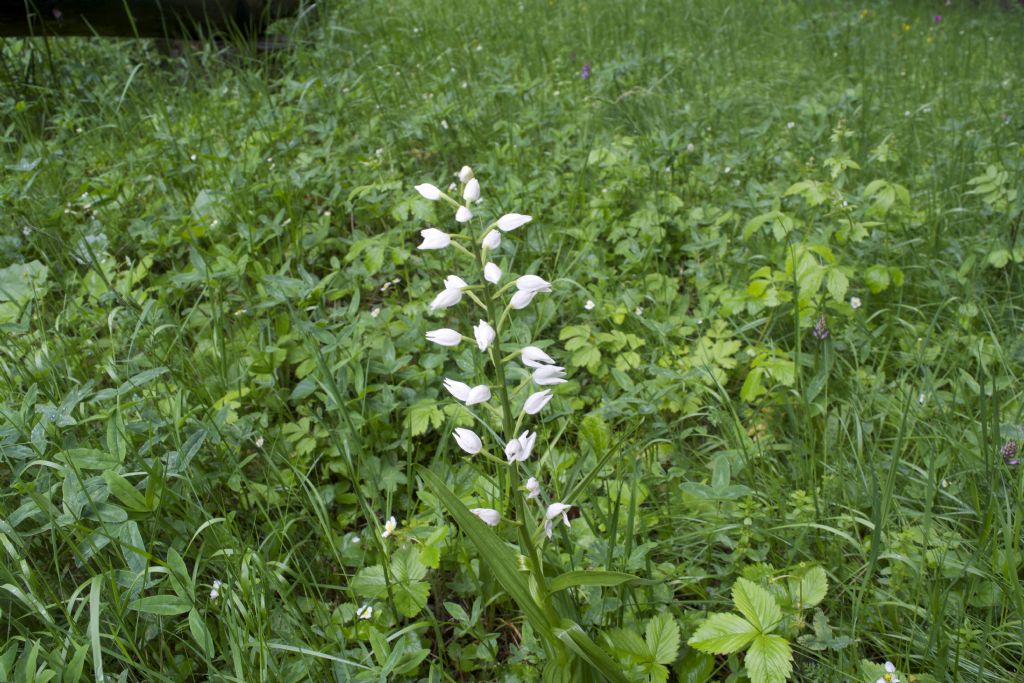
x=789, y=427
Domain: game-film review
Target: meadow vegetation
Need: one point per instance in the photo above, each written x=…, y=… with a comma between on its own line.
x=783, y=246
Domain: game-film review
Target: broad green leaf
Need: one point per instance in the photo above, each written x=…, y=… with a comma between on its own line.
x=18, y=284
x=181, y=580
x=124, y=491
x=696, y=667
x=200, y=633
x=629, y=642
x=877, y=278
x=811, y=589
x=723, y=634
x=663, y=638
x=756, y=604
x=369, y=582
x=163, y=605
x=589, y=578
x=769, y=659
x=570, y=633
x=89, y=458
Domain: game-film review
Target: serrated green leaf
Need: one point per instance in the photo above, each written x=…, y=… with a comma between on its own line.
x=769, y=659
x=630, y=643
x=756, y=604
x=723, y=634
x=663, y=638
x=811, y=589
x=877, y=278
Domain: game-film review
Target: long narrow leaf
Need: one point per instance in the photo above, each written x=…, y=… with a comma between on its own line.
x=570, y=633
x=591, y=578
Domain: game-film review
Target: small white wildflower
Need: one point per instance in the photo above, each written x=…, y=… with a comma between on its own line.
x=554, y=511
x=389, y=526
x=533, y=284
x=518, y=450
x=444, y=123
x=484, y=334
x=890, y=674
x=492, y=240
x=589, y=306
x=690, y=147
x=375, y=311
x=920, y=398
x=452, y=187
x=445, y=337
x=906, y=114
x=533, y=486
x=533, y=357
x=365, y=612
x=639, y=310
x=215, y=589
x=548, y=375
x=487, y=515
x=492, y=273
x=511, y=221
x=192, y=157
x=791, y=125
x=536, y=401
x=463, y=215
x=259, y=442
x=728, y=168
x=428, y=191
x=855, y=302
x=468, y=440
x=356, y=540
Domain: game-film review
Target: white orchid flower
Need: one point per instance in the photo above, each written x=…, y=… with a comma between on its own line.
x=532, y=283
x=484, y=334
x=445, y=337
x=471, y=192
x=468, y=440
x=434, y=239
x=465, y=174
x=533, y=357
x=553, y=512
x=521, y=299
x=365, y=612
x=446, y=299
x=535, y=402
x=390, y=526
x=533, y=486
x=478, y=394
x=460, y=390
x=549, y=374
x=455, y=282
x=428, y=191
x=487, y=515
x=511, y=221
x=519, y=450
x=492, y=273
x=463, y=215
x=492, y=239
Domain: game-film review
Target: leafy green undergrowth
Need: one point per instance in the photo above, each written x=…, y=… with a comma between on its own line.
x=796, y=226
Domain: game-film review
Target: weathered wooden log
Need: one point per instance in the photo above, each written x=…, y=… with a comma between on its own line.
x=139, y=18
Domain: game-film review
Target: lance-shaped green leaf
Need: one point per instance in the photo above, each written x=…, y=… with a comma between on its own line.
x=590, y=578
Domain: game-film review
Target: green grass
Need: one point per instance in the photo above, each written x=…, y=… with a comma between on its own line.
x=216, y=367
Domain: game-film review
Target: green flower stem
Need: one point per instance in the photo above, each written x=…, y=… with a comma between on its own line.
x=463, y=249
x=476, y=299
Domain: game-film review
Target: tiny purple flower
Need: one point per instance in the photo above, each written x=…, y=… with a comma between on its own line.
x=585, y=73
x=820, y=331
x=937, y=18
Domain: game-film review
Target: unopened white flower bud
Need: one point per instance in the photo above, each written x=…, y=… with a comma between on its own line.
x=487, y=515
x=549, y=374
x=535, y=402
x=444, y=336
x=428, y=191
x=492, y=239
x=484, y=334
x=492, y=273
x=534, y=357
x=468, y=440
x=434, y=239
x=465, y=174
x=532, y=283
x=533, y=486
x=511, y=221
x=463, y=215
x=521, y=299
x=471, y=192
x=446, y=299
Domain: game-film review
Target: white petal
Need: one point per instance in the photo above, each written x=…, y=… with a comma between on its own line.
x=890, y=667
x=533, y=357
x=533, y=486
x=532, y=283
x=471, y=192
x=478, y=394
x=512, y=449
x=465, y=174
x=487, y=515
x=463, y=215
x=428, y=191
x=492, y=273
x=511, y=221
x=521, y=299
x=459, y=390
x=536, y=402
x=548, y=528
x=434, y=239
x=444, y=336
x=468, y=440
x=446, y=299
x=526, y=441
x=484, y=334
x=547, y=375
x=492, y=240
x=455, y=282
